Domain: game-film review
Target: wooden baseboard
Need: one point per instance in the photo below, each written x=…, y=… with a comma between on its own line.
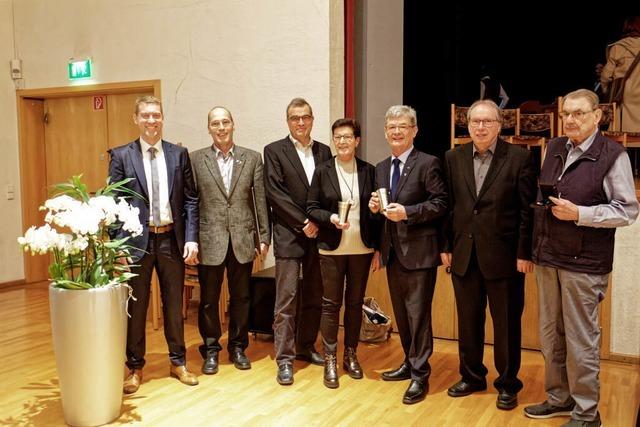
x=12, y=283
x=625, y=358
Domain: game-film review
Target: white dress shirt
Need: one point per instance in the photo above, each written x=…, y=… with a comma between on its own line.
x=165, y=207
x=225, y=164
x=306, y=157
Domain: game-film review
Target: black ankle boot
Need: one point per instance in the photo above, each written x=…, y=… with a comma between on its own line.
x=351, y=364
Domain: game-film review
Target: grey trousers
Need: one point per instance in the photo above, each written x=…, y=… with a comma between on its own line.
x=570, y=337
x=298, y=306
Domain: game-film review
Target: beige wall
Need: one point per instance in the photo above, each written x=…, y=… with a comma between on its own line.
x=10, y=222
x=251, y=56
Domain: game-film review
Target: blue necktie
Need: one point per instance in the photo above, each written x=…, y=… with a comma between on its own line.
x=395, y=177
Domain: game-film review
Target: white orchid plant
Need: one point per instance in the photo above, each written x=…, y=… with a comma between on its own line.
x=77, y=232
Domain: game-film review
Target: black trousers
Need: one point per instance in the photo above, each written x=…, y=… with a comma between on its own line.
x=411, y=296
x=298, y=305
x=164, y=255
x=335, y=268
x=210, y=278
x=506, y=302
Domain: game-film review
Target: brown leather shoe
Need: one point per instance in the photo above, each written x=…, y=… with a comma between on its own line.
x=182, y=373
x=132, y=383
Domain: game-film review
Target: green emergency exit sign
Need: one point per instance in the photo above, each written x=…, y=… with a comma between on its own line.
x=80, y=69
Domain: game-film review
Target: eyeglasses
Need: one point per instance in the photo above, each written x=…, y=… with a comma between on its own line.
x=578, y=114
x=488, y=123
x=347, y=138
x=295, y=119
x=224, y=123
x=401, y=128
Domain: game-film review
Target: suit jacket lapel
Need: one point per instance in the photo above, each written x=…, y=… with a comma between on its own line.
x=292, y=154
x=361, y=166
x=138, y=166
x=238, y=164
x=406, y=171
x=212, y=164
x=334, y=180
x=315, y=149
x=386, y=173
x=467, y=168
x=497, y=163
x=170, y=160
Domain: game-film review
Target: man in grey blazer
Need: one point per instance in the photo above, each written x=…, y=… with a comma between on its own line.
x=229, y=179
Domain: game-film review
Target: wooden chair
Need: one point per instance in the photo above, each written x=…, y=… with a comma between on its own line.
x=609, y=117
x=534, y=131
x=620, y=137
x=459, y=132
x=632, y=139
x=510, y=122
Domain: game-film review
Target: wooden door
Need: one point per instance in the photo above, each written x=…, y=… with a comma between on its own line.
x=120, y=109
x=78, y=135
x=33, y=181
x=75, y=141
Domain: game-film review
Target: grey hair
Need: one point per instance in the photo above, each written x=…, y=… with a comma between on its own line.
x=587, y=94
x=489, y=103
x=396, y=111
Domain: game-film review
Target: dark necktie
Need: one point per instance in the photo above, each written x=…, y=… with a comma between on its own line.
x=155, y=187
x=395, y=177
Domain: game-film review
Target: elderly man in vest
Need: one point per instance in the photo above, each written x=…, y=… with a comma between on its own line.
x=573, y=251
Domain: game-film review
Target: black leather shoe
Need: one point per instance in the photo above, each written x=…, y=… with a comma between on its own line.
x=210, y=365
x=400, y=374
x=311, y=356
x=239, y=359
x=416, y=392
x=462, y=388
x=507, y=400
x=285, y=374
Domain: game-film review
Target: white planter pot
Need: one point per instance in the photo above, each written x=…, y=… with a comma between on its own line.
x=89, y=337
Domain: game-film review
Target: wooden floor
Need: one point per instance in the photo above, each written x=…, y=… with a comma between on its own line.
x=29, y=395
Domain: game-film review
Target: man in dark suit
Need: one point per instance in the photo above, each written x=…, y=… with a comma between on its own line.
x=487, y=245
x=288, y=169
x=169, y=215
x=229, y=179
x=409, y=243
